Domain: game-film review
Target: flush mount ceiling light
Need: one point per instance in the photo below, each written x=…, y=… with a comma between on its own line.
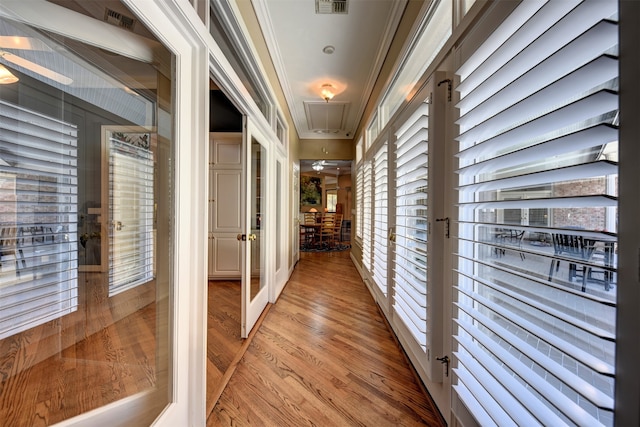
x=6, y=76
x=327, y=91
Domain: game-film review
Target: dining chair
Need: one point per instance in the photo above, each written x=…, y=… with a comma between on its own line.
x=307, y=230
x=327, y=230
x=309, y=218
x=337, y=228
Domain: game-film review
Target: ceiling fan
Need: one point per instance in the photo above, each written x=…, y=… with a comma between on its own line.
x=318, y=165
x=29, y=44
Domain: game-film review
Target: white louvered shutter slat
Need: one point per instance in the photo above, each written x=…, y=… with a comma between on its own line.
x=537, y=248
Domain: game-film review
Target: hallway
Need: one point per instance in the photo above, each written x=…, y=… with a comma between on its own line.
x=324, y=355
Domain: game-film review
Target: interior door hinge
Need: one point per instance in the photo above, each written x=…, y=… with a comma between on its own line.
x=448, y=82
x=446, y=220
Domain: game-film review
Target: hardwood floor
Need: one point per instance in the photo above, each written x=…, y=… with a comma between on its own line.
x=224, y=344
x=323, y=355
x=102, y=352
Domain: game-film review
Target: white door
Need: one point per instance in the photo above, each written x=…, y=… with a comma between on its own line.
x=225, y=205
x=254, y=278
x=130, y=206
x=281, y=229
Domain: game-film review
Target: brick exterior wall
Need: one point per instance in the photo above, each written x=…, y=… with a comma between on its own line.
x=590, y=218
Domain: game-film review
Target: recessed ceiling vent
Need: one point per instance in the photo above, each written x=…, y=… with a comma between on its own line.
x=332, y=6
x=119, y=20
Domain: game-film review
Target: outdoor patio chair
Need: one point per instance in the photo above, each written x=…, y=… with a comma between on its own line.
x=578, y=248
x=513, y=238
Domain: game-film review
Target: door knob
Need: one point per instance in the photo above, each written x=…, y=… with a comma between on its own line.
x=244, y=237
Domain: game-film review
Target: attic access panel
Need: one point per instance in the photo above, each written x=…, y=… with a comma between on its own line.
x=326, y=117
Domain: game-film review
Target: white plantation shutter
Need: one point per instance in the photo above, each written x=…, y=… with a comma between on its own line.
x=538, y=154
x=410, y=249
x=131, y=216
x=360, y=201
x=367, y=209
x=38, y=219
x=380, y=215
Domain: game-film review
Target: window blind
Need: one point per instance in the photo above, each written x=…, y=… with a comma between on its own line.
x=360, y=200
x=131, y=203
x=535, y=290
x=38, y=219
x=367, y=209
x=410, y=249
x=380, y=229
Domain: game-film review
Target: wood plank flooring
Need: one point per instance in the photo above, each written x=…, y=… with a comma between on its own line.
x=323, y=355
x=224, y=344
x=100, y=353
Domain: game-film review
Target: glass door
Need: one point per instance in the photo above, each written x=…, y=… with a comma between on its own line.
x=88, y=224
x=254, y=284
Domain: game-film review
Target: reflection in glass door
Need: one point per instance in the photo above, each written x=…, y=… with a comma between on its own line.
x=129, y=198
x=81, y=336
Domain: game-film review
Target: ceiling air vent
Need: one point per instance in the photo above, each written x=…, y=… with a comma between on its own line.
x=119, y=20
x=332, y=6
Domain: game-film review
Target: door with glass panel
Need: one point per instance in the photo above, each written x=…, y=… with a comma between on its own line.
x=85, y=285
x=254, y=283
x=295, y=202
x=282, y=227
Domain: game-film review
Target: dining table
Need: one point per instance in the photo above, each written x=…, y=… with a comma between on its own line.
x=308, y=233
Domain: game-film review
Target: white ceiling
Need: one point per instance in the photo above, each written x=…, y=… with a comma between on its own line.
x=296, y=36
